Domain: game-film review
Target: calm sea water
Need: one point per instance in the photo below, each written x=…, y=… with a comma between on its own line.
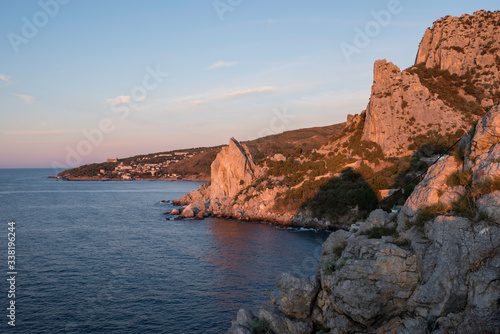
x=101, y=257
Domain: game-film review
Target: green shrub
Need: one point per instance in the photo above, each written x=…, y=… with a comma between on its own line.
x=379, y=232
x=427, y=214
x=339, y=195
x=460, y=178
x=260, y=326
x=487, y=186
x=402, y=242
x=459, y=154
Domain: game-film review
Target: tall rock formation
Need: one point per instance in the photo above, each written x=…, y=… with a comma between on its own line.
x=455, y=80
x=437, y=275
x=458, y=44
x=401, y=109
x=232, y=170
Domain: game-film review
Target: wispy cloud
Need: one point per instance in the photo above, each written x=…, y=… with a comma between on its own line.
x=28, y=99
x=6, y=80
x=221, y=64
x=236, y=93
x=123, y=99
x=40, y=132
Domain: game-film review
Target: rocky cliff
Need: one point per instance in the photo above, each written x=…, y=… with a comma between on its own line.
x=459, y=44
x=432, y=103
x=454, y=81
x=238, y=189
x=232, y=170
x=432, y=268
x=401, y=109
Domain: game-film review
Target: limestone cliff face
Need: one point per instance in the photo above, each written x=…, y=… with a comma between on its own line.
x=440, y=275
x=479, y=170
x=232, y=170
x=458, y=44
x=401, y=108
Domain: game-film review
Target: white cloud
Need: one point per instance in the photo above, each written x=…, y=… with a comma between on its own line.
x=221, y=64
x=6, y=80
x=236, y=93
x=40, y=132
x=28, y=99
x=123, y=99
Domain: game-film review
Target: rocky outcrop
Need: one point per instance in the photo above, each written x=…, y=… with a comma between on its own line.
x=439, y=275
x=458, y=44
x=476, y=177
x=445, y=279
x=401, y=108
x=232, y=192
x=232, y=171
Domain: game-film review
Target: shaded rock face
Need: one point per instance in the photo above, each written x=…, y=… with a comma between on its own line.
x=442, y=277
x=296, y=295
x=430, y=191
x=232, y=170
x=401, y=107
x=448, y=275
x=481, y=148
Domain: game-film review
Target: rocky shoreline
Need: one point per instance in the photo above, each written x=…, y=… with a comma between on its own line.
x=423, y=270
x=99, y=178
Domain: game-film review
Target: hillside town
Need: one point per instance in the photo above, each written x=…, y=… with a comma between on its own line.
x=140, y=166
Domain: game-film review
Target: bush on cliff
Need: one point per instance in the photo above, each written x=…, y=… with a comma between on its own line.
x=341, y=194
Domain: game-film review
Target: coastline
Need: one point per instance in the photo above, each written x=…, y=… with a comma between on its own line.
x=97, y=178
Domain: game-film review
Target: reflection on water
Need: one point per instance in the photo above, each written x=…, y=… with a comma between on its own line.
x=100, y=257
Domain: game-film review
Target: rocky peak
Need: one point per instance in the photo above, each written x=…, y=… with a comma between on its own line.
x=232, y=170
x=401, y=110
x=454, y=81
x=458, y=44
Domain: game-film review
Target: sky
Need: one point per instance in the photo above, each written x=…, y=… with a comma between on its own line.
x=82, y=81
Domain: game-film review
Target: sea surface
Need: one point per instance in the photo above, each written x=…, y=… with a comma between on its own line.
x=100, y=257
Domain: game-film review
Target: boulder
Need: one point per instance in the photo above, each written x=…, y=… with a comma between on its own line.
x=193, y=209
x=428, y=191
x=279, y=157
x=232, y=170
x=457, y=250
x=296, y=295
x=175, y=212
x=487, y=133
x=374, y=281
x=490, y=205
x=378, y=218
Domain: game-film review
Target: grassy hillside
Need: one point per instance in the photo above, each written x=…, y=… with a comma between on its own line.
x=194, y=163
x=290, y=142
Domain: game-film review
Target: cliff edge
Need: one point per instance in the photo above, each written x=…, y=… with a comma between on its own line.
x=434, y=267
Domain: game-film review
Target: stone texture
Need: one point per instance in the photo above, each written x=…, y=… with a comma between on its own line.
x=490, y=205
x=487, y=133
x=458, y=43
x=428, y=191
x=232, y=170
x=458, y=248
x=401, y=107
x=296, y=295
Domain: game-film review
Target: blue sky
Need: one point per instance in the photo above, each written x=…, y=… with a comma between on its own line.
x=76, y=83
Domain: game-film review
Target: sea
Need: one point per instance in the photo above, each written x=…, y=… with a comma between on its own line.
x=102, y=257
